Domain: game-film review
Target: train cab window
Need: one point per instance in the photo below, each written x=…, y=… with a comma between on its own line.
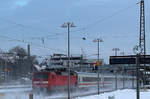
x=58, y=73
x=41, y=75
x=71, y=73
x=64, y=73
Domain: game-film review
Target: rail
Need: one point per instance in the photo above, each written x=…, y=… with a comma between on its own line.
x=89, y=94
x=15, y=86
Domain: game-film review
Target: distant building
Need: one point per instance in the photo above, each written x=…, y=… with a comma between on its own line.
x=76, y=61
x=61, y=60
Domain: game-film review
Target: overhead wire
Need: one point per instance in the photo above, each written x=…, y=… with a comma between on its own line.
x=32, y=28
x=38, y=45
x=33, y=38
x=89, y=26
x=7, y=28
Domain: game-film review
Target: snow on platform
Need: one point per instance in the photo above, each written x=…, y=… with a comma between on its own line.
x=120, y=94
x=15, y=88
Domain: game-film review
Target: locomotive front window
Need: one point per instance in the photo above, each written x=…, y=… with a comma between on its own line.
x=41, y=76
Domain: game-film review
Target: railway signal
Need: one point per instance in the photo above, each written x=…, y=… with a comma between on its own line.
x=98, y=63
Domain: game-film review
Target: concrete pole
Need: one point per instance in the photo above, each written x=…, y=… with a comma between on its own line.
x=137, y=77
x=123, y=78
x=30, y=96
x=116, y=83
x=98, y=66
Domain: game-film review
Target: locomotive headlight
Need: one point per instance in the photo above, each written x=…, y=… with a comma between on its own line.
x=45, y=82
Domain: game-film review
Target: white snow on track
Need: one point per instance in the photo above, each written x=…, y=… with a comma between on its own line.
x=15, y=88
x=120, y=94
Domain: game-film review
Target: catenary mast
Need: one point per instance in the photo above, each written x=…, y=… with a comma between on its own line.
x=142, y=28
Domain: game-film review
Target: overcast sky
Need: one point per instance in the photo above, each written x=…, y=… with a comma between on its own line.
x=116, y=21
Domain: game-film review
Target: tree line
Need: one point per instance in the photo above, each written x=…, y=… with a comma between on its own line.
x=16, y=63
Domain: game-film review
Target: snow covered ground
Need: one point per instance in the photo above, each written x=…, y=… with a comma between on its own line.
x=120, y=94
x=15, y=88
x=22, y=92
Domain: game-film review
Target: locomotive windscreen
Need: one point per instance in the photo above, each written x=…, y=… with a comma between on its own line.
x=41, y=76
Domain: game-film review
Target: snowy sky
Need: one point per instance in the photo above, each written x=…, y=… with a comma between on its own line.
x=116, y=21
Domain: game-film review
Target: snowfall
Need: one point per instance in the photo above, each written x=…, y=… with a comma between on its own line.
x=120, y=94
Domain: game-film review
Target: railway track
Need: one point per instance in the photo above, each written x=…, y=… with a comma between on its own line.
x=15, y=86
x=88, y=94
x=83, y=95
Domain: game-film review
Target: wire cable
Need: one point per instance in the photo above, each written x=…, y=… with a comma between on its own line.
x=105, y=18
x=38, y=45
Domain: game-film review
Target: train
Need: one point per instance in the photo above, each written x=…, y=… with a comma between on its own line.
x=56, y=79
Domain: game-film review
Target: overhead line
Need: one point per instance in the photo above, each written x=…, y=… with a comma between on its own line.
x=105, y=18
x=81, y=29
x=22, y=41
x=29, y=27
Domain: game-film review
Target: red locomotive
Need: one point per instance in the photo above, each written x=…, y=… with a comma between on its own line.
x=53, y=79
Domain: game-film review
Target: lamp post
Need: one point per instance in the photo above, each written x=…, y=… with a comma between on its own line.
x=116, y=50
x=98, y=40
x=137, y=51
x=68, y=25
